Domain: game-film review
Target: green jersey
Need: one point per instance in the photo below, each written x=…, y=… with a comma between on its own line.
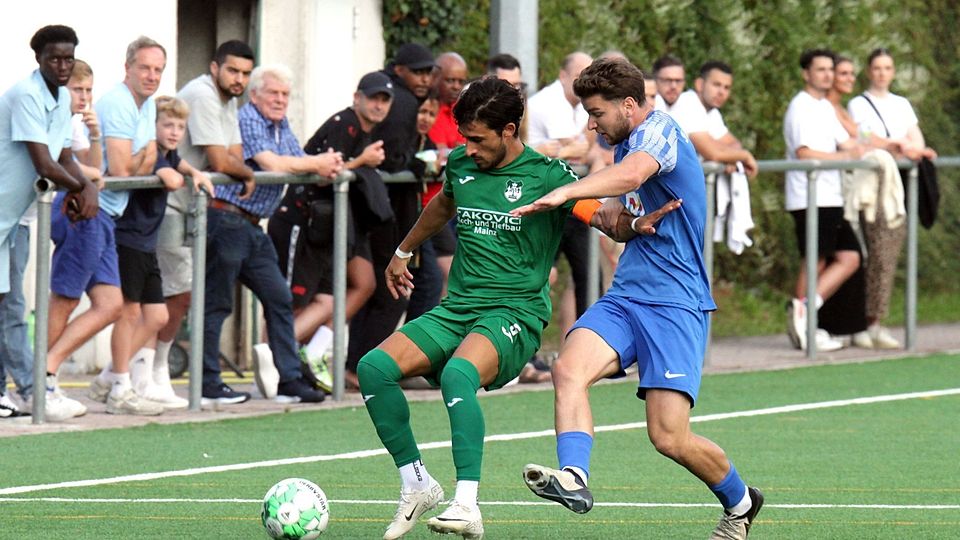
x=502, y=260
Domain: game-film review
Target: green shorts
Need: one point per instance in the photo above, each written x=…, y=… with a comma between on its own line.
x=514, y=333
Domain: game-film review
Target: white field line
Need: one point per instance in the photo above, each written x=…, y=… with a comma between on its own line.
x=446, y=444
x=489, y=503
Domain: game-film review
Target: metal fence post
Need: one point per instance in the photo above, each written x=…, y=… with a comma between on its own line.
x=711, y=187
x=340, y=206
x=812, y=251
x=910, y=292
x=45, y=195
x=197, y=298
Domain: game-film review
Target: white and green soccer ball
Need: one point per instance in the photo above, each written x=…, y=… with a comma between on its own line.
x=295, y=509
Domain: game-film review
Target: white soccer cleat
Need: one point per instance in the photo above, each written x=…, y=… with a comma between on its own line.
x=458, y=519
x=265, y=373
x=412, y=505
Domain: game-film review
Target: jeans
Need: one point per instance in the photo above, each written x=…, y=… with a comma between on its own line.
x=239, y=250
x=16, y=354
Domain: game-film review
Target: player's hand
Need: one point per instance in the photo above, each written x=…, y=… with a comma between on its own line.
x=249, y=185
x=548, y=202
x=645, y=225
x=202, y=181
x=399, y=278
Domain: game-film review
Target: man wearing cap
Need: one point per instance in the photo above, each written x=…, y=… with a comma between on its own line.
x=411, y=73
x=302, y=227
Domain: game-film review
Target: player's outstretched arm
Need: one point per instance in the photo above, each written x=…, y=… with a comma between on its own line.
x=433, y=218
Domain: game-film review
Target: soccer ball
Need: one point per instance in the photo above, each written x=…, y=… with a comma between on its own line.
x=295, y=509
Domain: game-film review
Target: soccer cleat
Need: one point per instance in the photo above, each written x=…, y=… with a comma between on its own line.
x=317, y=370
x=298, y=391
x=132, y=403
x=737, y=527
x=412, y=505
x=458, y=519
x=221, y=394
x=265, y=373
x=560, y=486
x=9, y=409
x=99, y=390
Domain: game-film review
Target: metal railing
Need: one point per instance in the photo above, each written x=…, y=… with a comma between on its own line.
x=45, y=190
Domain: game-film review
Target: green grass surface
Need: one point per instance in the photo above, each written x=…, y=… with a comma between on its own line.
x=900, y=453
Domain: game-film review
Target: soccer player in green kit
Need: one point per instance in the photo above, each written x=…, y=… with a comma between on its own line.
x=498, y=303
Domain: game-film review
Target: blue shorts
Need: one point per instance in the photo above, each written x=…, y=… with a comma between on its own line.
x=85, y=253
x=666, y=342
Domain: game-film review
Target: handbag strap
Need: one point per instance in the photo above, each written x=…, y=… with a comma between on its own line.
x=876, y=110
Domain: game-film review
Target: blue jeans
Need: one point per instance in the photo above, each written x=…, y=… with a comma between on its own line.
x=239, y=250
x=16, y=354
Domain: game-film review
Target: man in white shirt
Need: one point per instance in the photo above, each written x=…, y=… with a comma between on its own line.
x=671, y=78
x=812, y=131
x=557, y=125
x=697, y=111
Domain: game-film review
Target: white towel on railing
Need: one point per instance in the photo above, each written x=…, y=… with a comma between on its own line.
x=734, y=219
x=862, y=194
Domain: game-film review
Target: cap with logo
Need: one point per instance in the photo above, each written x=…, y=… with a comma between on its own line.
x=375, y=83
x=414, y=56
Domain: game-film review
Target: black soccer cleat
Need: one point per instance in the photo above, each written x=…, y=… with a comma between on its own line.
x=559, y=486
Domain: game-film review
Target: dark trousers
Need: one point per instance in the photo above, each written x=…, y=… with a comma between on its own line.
x=427, y=283
x=575, y=246
x=239, y=250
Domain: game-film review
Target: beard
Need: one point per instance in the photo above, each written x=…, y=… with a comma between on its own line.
x=619, y=131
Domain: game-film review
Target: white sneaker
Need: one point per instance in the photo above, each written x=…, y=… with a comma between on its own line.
x=862, y=339
x=9, y=408
x=882, y=339
x=72, y=406
x=458, y=519
x=132, y=403
x=57, y=407
x=412, y=505
x=797, y=323
x=826, y=342
x=99, y=390
x=265, y=373
x=162, y=390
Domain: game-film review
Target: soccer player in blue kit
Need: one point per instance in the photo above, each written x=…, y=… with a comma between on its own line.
x=656, y=313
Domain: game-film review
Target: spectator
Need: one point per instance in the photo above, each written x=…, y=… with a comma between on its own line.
x=128, y=114
x=239, y=249
x=302, y=227
x=811, y=131
x=557, y=119
x=86, y=141
x=671, y=78
x=212, y=142
x=34, y=126
x=887, y=120
x=410, y=71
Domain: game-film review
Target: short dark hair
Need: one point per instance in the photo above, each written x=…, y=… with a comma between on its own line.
x=611, y=78
x=490, y=100
x=711, y=65
x=665, y=61
x=502, y=61
x=54, y=33
x=839, y=59
x=877, y=53
x=808, y=55
x=234, y=47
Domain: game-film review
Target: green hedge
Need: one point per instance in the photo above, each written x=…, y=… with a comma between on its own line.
x=762, y=40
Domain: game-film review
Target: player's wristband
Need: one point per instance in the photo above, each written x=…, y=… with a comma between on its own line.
x=585, y=209
x=401, y=254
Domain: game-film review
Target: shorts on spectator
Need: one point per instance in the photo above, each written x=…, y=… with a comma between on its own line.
x=85, y=254
x=174, y=257
x=139, y=276
x=834, y=232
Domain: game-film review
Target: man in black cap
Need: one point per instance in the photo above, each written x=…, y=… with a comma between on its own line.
x=302, y=227
x=411, y=73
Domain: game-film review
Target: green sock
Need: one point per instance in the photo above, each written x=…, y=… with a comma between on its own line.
x=379, y=376
x=459, y=383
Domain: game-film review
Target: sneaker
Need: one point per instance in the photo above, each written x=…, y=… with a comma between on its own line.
x=458, y=519
x=265, y=373
x=797, y=323
x=413, y=504
x=58, y=408
x=826, y=342
x=882, y=339
x=9, y=409
x=862, y=340
x=298, y=391
x=165, y=396
x=222, y=394
x=99, y=390
x=560, y=486
x=73, y=407
x=132, y=403
x=737, y=527
x=317, y=370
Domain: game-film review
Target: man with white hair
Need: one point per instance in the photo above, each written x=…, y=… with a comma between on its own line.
x=239, y=249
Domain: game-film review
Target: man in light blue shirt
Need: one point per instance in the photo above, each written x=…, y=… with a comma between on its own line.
x=35, y=141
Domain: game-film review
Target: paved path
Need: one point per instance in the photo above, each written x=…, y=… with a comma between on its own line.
x=726, y=355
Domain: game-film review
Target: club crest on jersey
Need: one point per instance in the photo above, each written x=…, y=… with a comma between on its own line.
x=514, y=190
x=633, y=204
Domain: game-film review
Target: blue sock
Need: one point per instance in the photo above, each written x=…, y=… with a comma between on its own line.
x=573, y=450
x=730, y=490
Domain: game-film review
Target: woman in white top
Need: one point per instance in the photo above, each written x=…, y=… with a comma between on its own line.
x=883, y=120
